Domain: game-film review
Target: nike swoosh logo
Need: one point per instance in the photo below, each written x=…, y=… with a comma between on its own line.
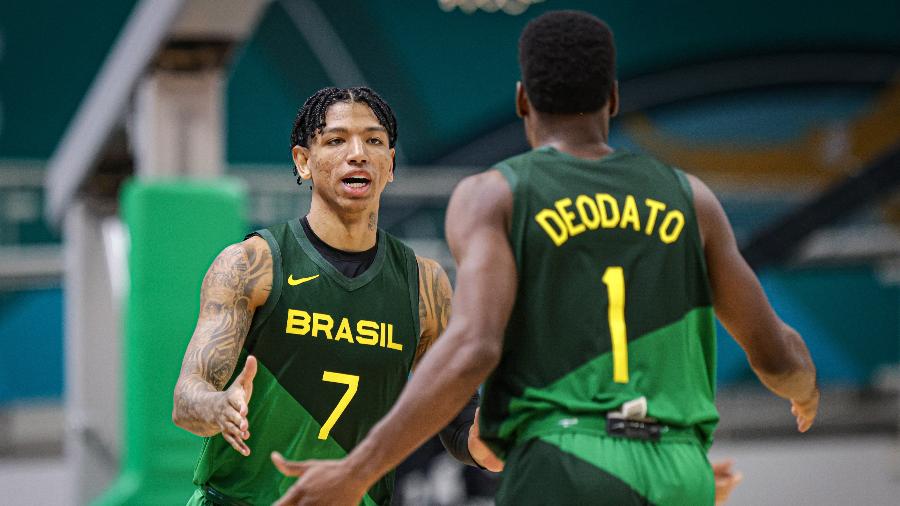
x=295, y=282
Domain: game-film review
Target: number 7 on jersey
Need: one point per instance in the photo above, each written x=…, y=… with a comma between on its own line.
x=352, y=383
x=614, y=279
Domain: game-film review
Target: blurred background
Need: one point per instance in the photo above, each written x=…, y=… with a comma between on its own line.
x=789, y=110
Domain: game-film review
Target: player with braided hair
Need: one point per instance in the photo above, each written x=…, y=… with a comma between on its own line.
x=310, y=118
x=308, y=330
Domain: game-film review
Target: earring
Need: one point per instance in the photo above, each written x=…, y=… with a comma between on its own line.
x=299, y=181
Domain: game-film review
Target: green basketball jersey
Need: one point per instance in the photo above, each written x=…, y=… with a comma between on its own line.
x=613, y=301
x=333, y=353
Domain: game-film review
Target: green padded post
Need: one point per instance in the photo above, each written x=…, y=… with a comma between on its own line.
x=177, y=228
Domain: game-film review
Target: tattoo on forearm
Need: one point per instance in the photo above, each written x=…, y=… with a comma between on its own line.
x=225, y=316
x=435, y=295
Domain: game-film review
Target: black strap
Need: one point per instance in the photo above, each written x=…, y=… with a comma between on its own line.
x=219, y=499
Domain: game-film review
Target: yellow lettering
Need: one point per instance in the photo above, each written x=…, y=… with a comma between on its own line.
x=367, y=332
x=297, y=322
x=630, y=214
x=667, y=234
x=655, y=207
x=344, y=331
x=559, y=234
x=390, y=340
x=585, y=203
x=608, y=219
x=562, y=206
x=322, y=322
x=381, y=343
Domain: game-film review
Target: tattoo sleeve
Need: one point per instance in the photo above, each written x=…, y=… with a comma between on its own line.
x=434, y=304
x=237, y=282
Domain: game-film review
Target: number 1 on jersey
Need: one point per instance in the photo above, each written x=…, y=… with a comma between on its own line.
x=614, y=279
x=352, y=383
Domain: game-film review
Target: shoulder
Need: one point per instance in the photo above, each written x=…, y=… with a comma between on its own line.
x=710, y=215
x=244, y=267
x=482, y=199
x=486, y=190
x=429, y=268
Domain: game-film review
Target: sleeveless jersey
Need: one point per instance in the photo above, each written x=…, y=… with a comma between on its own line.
x=613, y=301
x=333, y=353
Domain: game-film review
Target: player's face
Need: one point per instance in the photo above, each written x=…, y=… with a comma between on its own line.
x=349, y=161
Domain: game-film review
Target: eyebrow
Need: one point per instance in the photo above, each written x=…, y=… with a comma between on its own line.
x=378, y=128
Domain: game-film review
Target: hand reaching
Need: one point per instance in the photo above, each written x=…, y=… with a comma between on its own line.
x=232, y=412
x=321, y=483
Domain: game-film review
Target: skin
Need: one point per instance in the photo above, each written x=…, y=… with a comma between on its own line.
x=478, y=221
x=240, y=279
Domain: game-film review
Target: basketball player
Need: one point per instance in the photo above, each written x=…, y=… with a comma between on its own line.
x=324, y=317
x=586, y=285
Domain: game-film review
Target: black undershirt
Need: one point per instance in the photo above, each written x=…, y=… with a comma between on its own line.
x=348, y=263
x=455, y=436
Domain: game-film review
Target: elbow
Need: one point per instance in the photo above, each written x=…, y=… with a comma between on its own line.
x=177, y=419
x=484, y=352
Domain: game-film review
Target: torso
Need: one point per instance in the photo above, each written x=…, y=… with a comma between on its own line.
x=613, y=302
x=334, y=353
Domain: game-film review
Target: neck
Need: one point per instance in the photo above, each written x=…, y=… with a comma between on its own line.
x=344, y=230
x=582, y=135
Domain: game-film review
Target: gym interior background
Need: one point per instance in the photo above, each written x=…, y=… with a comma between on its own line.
x=790, y=110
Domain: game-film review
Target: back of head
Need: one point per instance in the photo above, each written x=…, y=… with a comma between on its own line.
x=568, y=61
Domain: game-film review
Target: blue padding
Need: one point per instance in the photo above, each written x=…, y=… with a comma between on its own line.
x=31, y=363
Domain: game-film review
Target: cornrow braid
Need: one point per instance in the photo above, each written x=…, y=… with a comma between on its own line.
x=310, y=118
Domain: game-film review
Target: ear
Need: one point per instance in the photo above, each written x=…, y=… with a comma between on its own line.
x=301, y=161
x=614, y=99
x=393, y=164
x=523, y=107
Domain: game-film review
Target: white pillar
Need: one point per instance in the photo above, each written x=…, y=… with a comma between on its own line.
x=92, y=343
x=177, y=124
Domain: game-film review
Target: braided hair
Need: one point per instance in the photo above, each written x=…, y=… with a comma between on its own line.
x=310, y=118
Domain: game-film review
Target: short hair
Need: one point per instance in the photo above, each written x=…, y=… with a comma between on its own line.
x=310, y=118
x=568, y=61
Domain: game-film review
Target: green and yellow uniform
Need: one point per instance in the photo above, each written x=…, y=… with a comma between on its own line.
x=613, y=304
x=333, y=353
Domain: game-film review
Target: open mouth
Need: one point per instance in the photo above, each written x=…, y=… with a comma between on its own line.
x=356, y=182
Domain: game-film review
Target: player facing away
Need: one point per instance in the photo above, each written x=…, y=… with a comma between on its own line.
x=308, y=330
x=587, y=282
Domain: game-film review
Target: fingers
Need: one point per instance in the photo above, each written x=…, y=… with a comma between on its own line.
x=289, y=467
x=292, y=496
x=233, y=438
x=805, y=412
x=249, y=372
x=722, y=467
x=234, y=425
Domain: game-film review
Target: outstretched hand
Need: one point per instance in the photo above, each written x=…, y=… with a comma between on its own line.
x=322, y=482
x=232, y=414
x=480, y=452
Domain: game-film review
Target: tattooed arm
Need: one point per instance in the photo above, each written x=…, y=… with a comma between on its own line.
x=238, y=282
x=434, y=304
x=460, y=437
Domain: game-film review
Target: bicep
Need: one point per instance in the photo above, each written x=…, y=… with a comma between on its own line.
x=435, y=296
x=738, y=298
x=477, y=224
x=229, y=296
